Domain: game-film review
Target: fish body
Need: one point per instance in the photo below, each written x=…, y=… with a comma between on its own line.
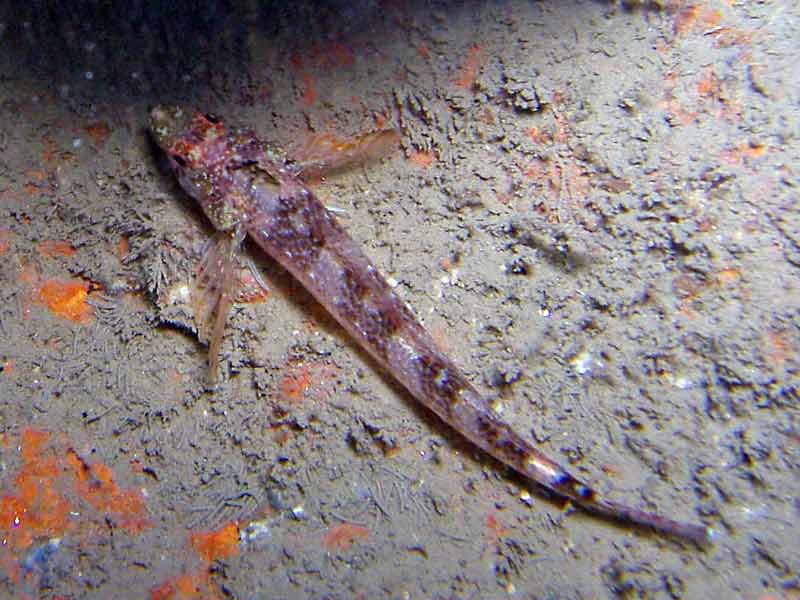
x=248, y=188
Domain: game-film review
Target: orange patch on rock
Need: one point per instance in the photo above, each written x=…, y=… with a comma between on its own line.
x=123, y=247
x=213, y=545
x=779, y=346
x=309, y=95
x=36, y=180
x=710, y=18
x=494, y=529
x=36, y=175
x=50, y=151
x=5, y=241
x=686, y=19
x=538, y=168
x=28, y=275
x=197, y=585
x=710, y=85
x=468, y=71
x=7, y=367
x=54, y=248
x=729, y=38
x=341, y=55
x=295, y=383
x=538, y=136
x=345, y=535
x=679, y=113
x=95, y=484
x=250, y=291
x=728, y=276
x=422, y=159
x=741, y=151
x=35, y=509
x=66, y=298
x=187, y=586
x=306, y=380
x=42, y=505
x=99, y=132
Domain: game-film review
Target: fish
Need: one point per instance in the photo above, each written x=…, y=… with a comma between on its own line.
x=248, y=187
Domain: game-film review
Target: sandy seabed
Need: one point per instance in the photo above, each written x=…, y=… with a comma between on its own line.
x=593, y=208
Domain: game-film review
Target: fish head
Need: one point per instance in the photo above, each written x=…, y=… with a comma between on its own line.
x=201, y=152
x=190, y=139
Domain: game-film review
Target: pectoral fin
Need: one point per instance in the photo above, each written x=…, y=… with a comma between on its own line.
x=215, y=289
x=325, y=153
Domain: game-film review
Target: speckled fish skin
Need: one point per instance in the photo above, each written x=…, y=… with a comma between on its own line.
x=247, y=187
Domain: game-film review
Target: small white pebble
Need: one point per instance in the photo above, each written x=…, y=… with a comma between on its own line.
x=76, y=143
x=582, y=363
x=255, y=530
x=179, y=294
x=683, y=383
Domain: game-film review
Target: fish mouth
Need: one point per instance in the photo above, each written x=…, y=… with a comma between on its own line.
x=167, y=121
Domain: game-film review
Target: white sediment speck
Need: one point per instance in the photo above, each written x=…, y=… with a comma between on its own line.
x=683, y=383
x=255, y=531
x=583, y=363
x=179, y=294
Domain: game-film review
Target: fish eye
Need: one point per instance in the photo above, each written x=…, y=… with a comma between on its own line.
x=211, y=118
x=179, y=159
